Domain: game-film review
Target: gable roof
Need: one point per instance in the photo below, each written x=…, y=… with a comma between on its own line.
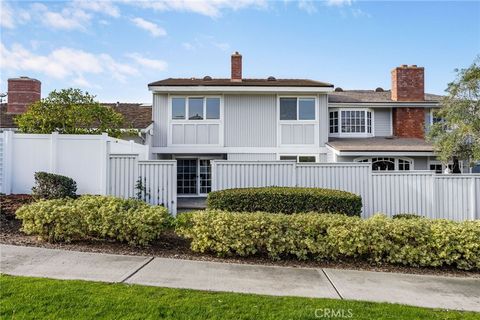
x=223, y=82
x=366, y=96
x=136, y=115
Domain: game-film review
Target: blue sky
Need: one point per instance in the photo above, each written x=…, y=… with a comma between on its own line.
x=113, y=49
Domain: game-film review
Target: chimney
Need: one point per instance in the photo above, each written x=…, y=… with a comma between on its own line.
x=408, y=83
x=22, y=92
x=236, y=67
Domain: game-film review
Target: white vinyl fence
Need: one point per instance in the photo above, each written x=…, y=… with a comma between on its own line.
x=455, y=197
x=98, y=163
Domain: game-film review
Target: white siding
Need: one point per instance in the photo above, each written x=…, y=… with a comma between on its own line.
x=252, y=156
x=250, y=120
x=297, y=134
x=382, y=122
x=160, y=118
x=195, y=133
x=323, y=118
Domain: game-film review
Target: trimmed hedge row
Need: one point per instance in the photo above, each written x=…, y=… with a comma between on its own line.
x=411, y=242
x=131, y=221
x=53, y=186
x=285, y=200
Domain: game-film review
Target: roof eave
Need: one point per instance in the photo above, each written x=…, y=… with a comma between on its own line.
x=240, y=89
x=389, y=104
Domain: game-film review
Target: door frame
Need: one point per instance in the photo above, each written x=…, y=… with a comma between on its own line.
x=197, y=158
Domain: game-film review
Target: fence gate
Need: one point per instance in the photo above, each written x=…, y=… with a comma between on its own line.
x=154, y=181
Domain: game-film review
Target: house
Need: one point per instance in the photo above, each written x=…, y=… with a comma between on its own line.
x=24, y=91
x=196, y=120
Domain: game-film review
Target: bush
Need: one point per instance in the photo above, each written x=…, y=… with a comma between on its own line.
x=53, y=186
x=131, y=221
x=410, y=242
x=285, y=200
x=406, y=216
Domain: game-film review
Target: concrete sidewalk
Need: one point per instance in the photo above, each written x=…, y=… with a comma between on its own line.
x=417, y=290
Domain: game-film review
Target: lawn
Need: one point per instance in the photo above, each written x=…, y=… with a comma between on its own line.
x=26, y=298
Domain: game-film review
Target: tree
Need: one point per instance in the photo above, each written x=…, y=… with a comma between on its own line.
x=70, y=111
x=457, y=136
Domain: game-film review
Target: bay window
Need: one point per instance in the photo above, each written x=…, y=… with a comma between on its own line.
x=351, y=122
x=388, y=163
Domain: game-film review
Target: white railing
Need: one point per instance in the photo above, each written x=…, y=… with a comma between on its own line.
x=455, y=197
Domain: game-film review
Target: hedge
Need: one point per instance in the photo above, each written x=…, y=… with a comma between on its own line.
x=100, y=217
x=53, y=186
x=409, y=242
x=285, y=200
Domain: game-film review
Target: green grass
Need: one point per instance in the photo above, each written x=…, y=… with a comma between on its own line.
x=26, y=298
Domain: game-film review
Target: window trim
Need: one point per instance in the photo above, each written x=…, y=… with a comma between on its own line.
x=298, y=121
x=396, y=162
x=364, y=134
x=298, y=155
x=187, y=97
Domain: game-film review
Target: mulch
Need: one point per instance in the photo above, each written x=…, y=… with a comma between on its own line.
x=172, y=246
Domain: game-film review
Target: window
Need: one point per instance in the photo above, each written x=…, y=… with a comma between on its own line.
x=197, y=108
x=297, y=108
x=388, y=163
x=334, y=122
x=355, y=121
x=299, y=158
x=439, y=167
x=178, y=108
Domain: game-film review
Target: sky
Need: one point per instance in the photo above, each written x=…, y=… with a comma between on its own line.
x=113, y=49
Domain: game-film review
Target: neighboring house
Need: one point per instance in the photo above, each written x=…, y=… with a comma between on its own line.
x=24, y=91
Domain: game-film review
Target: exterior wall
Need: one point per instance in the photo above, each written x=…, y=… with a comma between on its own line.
x=252, y=156
x=323, y=118
x=195, y=133
x=409, y=122
x=298, y=133
x=160, y=120
x=382, y=120
x=250, y=120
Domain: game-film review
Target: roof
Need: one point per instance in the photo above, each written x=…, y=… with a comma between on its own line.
x=380, y=144
x=136, y=115
x=359, y=96
x=176, y=82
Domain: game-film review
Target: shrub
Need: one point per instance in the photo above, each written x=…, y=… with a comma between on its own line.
x=406, y=216
x=53, y=186
x=131, y=221
x=285, y=200
x=410, y=242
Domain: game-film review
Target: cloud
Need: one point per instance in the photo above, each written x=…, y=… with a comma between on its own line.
x=151, y=27
x=158, y=65
x=10, y=17
x=205, y=41
x=63, y=63
x=338, y=3
x=188, y=46
x=210, y=8
x=222, y=46
x=104, y=7
x=307, y=5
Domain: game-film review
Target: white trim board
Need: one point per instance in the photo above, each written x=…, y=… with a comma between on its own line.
x=239, y=89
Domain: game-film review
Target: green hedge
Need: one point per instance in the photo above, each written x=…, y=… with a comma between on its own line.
x=285, y=200
x=101, y=217
x=53, y=186
x=410, y=242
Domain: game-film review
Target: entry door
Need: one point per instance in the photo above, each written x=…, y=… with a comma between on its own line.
x=187, y=176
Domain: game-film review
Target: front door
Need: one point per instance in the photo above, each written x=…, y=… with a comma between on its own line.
x=194, y=176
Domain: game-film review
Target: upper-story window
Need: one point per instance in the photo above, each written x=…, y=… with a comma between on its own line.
x=195, y=108
x=351, y=122
x=297, y=108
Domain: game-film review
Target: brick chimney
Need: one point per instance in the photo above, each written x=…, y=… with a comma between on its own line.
x=22, y=92
x=236, y=67
x=408, y=85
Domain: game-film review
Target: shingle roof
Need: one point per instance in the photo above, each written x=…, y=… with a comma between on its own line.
x=136, y=115
x=380, y=144
x=359, y=96
x=245, y=82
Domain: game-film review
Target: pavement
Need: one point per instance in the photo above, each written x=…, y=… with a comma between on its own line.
x=417, y=290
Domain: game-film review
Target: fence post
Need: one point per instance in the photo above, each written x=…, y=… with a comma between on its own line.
x=214, y=174
x=7, y=161
x=473, y=198
x=105, y=158
x=53, y=152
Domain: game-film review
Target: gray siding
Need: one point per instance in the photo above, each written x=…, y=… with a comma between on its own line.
x=298, y=134
x=252, y=156
x=382, y=122
x=160, y=118
x=250, y=121
x=323, y=118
